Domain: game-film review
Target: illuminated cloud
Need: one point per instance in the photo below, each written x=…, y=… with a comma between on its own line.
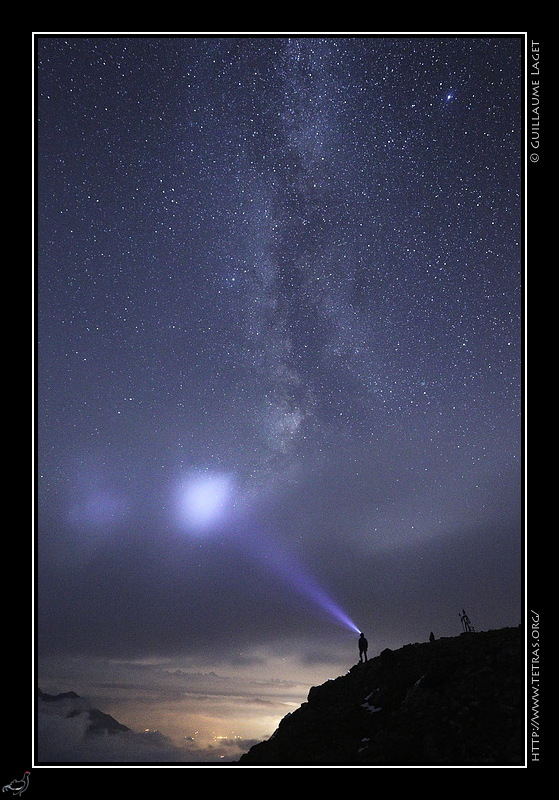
x=97, y=509
x=202, y=501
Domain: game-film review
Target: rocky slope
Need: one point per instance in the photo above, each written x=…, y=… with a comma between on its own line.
x=450, y=702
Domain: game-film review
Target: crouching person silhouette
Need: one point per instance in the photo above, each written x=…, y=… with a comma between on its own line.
x=362, y=648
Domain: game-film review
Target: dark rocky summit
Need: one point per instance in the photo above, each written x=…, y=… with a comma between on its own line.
x=448, y=702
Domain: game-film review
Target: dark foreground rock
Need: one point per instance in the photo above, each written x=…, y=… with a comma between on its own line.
x=451, y=702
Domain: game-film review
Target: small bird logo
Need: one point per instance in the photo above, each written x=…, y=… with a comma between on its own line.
x=17, y=787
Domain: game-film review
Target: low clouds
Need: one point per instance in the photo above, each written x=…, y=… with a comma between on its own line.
x=64, y=736
x=174, y=714
x=65, y=740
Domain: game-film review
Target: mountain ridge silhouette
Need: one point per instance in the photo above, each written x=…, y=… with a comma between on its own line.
x=456, y=701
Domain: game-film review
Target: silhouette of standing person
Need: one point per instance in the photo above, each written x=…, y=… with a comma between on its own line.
x=362, y=648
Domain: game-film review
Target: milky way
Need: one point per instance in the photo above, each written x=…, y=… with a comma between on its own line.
x=289, y=267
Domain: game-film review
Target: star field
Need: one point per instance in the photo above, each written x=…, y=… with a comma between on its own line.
x=294, y=263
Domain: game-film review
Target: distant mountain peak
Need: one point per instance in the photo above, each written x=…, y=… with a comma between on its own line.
x=51, y=698
x=99, y=722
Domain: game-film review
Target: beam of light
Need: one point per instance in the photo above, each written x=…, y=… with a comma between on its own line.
x=285, y=565
x=308, y=587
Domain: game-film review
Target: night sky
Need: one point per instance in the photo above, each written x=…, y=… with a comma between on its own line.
x=278, y=365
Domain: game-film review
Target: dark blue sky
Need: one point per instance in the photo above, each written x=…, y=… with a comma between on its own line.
x=279, y=341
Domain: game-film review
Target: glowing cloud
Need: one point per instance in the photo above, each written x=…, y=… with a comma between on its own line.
x=203, y=499
x=97, y=509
